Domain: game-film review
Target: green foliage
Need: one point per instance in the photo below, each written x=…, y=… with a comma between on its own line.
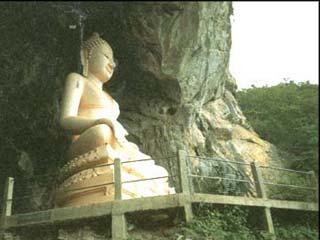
x=231, y=222
x=287, y=116
x=296, y=232
x=289, y=193
x=296, y=224
x=227, y=223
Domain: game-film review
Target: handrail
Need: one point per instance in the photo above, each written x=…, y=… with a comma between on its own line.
x=231, y=179
x=289, y=185
x=145, y=179
x=288, y=170
x=137, y=160
x=221, y=160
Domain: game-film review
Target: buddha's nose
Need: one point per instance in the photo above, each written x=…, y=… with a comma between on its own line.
x=113, y=64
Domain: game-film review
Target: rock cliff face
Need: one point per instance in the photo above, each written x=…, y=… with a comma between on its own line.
x=178, y=91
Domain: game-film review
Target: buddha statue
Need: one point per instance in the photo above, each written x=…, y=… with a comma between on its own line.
x=90, y=115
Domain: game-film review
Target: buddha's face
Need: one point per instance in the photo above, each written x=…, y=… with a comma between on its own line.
x=101, y=63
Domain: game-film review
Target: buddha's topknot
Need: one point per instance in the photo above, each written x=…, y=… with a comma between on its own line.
x=94, y=41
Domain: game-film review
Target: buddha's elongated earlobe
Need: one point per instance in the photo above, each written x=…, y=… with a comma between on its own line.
x=84, y=62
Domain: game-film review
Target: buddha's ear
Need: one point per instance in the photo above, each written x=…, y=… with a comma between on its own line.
x=84, y=62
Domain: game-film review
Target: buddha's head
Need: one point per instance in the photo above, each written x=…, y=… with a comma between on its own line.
x=97, y=58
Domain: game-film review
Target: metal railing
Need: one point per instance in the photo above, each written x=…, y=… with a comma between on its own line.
x=250, y=177
x=9, y=201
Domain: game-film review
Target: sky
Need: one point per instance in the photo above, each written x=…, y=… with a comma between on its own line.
x=274, y=40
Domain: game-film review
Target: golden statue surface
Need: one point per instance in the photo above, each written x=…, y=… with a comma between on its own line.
x=90, y=114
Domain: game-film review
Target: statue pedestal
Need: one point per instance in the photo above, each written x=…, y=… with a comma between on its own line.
x=95, y=184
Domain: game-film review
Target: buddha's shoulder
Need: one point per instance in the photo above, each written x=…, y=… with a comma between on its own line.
x=74, y=77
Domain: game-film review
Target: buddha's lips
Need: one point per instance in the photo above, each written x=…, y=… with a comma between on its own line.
x=108, y=69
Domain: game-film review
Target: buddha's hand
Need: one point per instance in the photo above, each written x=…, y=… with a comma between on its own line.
x=106, y=121
x=119, y=131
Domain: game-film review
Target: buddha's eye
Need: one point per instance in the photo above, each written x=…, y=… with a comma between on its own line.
x=107, y=56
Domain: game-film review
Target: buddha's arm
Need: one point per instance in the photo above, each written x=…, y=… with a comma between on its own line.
x=69, y=118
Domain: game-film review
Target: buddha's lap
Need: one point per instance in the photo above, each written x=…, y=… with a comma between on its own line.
x=100, y=135
x=91, y=139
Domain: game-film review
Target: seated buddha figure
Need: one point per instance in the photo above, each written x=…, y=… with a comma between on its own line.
x=90, y=115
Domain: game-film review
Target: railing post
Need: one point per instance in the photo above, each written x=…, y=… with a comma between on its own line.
x=119, y=229
x=7, y=204
x=314, y=181
x=261, y=193
x=185, y=185
x=258, y=180
x=117, y=179
x=7, y=197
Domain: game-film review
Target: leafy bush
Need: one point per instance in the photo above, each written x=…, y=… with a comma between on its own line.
x=228, y=223
x=296, y=232
x=287, y=116
x=232, y=222
x=300, y=193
